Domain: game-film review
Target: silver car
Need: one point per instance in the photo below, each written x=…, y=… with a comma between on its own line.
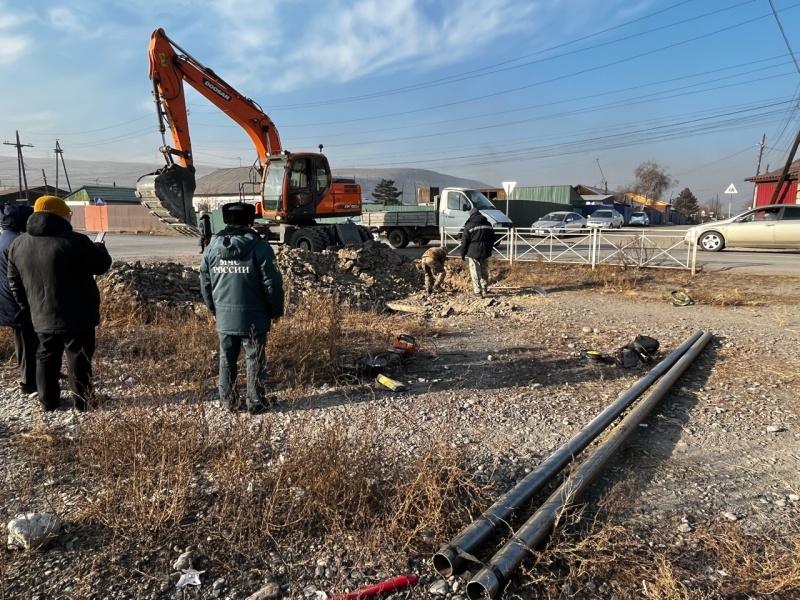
x=605, y=218
x=639, y=218
x=558, y=223
x=770, y=226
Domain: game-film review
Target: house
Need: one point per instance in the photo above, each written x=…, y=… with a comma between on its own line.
x=226, y=185
x=767, y=182
x=17, y=195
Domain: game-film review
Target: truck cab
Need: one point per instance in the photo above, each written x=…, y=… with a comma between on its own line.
x=455, y=204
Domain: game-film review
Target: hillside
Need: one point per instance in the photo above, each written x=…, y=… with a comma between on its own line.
x=125, y=174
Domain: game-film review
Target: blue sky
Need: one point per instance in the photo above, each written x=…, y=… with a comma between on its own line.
x=532, y=91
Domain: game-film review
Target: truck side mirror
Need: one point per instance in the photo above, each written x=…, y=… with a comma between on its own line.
x=465, y=207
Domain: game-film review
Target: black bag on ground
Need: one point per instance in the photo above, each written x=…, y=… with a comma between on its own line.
x=636, y=353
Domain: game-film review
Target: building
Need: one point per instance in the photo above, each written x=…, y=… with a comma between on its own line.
x=226, y=185
x=110, y=208
x=767, y=182
x=15, y=195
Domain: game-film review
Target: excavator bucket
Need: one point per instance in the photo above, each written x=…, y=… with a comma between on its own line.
x=167, y=194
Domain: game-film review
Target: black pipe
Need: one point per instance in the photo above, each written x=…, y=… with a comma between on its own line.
x=450, y=557
x=488, y=582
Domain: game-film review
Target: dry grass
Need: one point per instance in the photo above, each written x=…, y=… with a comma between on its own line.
x=164, y=469
x=715, y=289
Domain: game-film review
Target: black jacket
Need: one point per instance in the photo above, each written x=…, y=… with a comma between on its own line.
x=477, y=240
x=13, y=221
x=51, y=272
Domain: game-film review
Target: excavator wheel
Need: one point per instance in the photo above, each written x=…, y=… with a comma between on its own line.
x=309, y=238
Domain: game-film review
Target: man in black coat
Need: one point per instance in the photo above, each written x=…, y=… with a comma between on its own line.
x=477, y=243
x=13, y=221
x=51, y=271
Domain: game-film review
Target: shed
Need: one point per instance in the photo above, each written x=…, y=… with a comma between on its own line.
x=767, y=182
x=226, y=185
x=17, y=195
x=99, y=195
x=528, y=204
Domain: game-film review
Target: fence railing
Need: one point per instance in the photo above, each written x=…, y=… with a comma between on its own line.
x=624, y=247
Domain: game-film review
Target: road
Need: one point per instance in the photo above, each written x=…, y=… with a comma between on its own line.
x=140, y=247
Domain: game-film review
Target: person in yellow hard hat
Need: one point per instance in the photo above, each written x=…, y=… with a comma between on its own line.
x=51, y=271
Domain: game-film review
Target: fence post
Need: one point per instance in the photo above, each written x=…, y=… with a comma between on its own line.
x=694, y=257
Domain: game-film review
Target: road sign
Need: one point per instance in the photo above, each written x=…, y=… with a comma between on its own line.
x=731, y=189
x=508, y=186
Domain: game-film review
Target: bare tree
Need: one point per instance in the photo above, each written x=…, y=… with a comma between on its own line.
x=652, y=180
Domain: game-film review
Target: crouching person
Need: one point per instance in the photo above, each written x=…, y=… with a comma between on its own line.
x=244, y=293
x=433, y=265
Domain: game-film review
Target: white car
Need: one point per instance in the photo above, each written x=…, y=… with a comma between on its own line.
x=606, y=218
x=639, y=218
x=558, y=223
x=771, y=226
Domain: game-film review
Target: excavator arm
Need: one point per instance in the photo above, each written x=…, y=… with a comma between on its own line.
x=168, y=192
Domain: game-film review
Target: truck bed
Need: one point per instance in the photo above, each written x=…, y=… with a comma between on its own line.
x=388, y=218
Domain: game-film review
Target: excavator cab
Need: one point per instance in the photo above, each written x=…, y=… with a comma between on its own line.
x=168, y=193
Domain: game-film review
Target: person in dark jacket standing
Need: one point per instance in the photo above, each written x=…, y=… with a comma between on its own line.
x=244, y=293
x=14, y=220
x=51, y=271
x=477, y=243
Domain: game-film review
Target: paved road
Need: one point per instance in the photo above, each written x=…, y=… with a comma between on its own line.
x=138, y=247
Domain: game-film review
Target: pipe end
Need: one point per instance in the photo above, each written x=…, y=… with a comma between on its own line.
x=445, y=562
x=484, y=585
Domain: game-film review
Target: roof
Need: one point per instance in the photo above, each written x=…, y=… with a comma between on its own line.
x=223, y=182
x=34, y=191
x=110, y=194
x=794, y=170
x=597, y=197
x=558, y=194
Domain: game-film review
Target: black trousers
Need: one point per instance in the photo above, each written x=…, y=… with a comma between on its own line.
x=79, y=347
x=26, y=343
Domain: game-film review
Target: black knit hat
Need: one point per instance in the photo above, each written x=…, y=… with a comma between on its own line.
x=238, y=213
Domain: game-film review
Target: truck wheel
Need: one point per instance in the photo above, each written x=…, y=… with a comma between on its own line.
x=398, y=238
x=309, y=239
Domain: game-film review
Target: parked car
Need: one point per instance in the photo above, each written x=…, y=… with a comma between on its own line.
x=558, y=223
x=771, y=226
x=605, y=219
x=639, y=218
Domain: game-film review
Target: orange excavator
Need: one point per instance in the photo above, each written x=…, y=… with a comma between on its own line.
x=295, y=190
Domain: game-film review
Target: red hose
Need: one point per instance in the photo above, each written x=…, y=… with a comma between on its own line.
x=390, y=585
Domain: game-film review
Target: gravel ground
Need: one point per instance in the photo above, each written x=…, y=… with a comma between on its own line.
x=509, y=371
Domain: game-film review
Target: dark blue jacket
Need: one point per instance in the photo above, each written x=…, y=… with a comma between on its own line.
x=477, y=240
x=13, y=222
x=240, y=284
x=51, y=272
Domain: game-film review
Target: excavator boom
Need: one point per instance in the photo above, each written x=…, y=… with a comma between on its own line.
x=168, y=192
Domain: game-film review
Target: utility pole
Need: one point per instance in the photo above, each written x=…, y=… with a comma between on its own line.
x=46, y=191
x=603, y=180
x=758, y=166
x=60, y=153
x=21, y=166
x=782, y=179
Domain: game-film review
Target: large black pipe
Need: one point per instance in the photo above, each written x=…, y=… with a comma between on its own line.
x=488, y=582
x=450, y=557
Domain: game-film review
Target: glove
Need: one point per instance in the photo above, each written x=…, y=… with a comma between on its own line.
x=23, y=315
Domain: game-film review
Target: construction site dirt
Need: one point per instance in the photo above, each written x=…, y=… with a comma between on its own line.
x=348, y=483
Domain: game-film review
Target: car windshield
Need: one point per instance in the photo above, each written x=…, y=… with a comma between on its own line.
x=639, y=215
x=479, y=200
x=603, y=214
x=556, y=216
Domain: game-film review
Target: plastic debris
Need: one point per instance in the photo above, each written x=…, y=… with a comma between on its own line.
x=189, y=577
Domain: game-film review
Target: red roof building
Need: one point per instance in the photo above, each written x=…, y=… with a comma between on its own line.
x=766, y=183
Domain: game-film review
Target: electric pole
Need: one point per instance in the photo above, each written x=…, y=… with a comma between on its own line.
x=60, y=153
x=758, y=166
x=21, y=166
x=603, y=180
x=779, y=200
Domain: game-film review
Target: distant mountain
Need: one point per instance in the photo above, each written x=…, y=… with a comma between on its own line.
x=406, y=180
x=82, y=172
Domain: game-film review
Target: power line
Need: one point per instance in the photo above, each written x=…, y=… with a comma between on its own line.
x=783, y=33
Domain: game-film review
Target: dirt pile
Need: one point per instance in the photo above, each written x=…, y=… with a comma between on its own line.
x=369, y=275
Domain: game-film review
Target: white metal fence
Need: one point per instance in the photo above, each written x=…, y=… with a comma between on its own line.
x=625, y=247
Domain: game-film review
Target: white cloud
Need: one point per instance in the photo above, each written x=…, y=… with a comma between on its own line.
x=64, y=19
x=12, y=48
x=342, y=40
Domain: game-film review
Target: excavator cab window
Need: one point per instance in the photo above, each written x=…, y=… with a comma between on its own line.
x=273, y=185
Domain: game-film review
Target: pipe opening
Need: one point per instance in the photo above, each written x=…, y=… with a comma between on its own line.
x=442, y=563
x=477, y=591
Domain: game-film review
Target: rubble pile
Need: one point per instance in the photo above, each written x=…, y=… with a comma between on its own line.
x=369, y=275
x=160, y=283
